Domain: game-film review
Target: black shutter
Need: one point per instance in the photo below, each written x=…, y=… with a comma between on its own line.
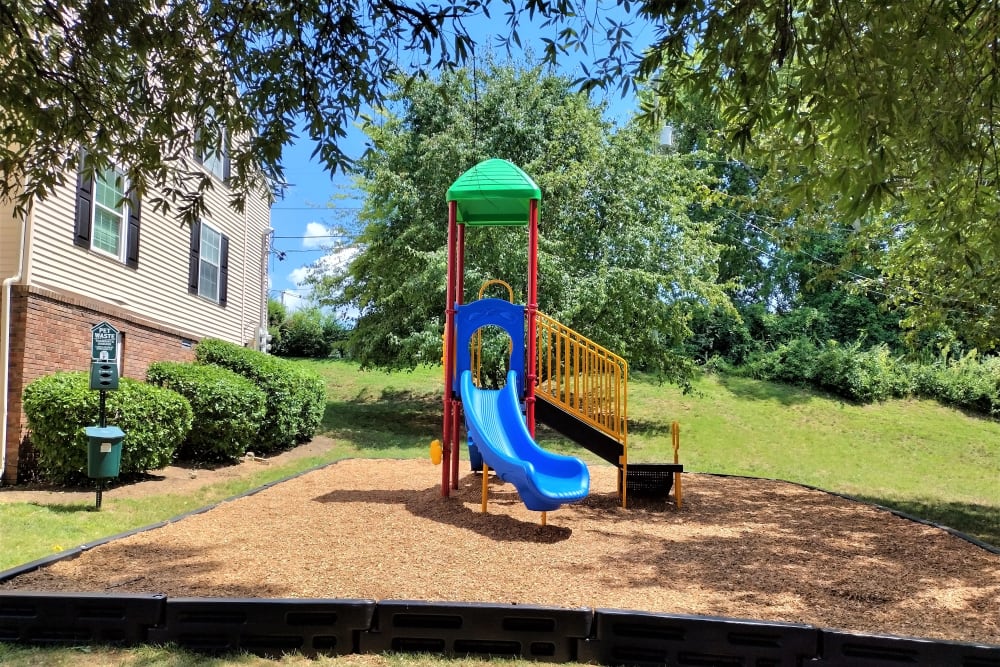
x=84, y=204
x=195, y=258
x=132, y=239
x=227, y=169
x=224, y=271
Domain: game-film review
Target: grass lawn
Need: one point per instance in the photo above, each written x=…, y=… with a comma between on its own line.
x=153, y=656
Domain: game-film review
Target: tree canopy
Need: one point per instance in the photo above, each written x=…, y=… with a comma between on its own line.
x=146, y=84
x=880, y=115
x=621, y=258
x=877, y=115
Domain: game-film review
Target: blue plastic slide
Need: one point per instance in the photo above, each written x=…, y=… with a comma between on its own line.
x=543, y=479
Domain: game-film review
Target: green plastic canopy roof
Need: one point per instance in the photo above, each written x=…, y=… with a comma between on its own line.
x=494, y=192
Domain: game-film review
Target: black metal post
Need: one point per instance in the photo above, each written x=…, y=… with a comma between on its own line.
x=103, y=422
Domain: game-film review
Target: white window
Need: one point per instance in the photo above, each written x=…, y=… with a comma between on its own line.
x=217, y=161
x=208, y=269
x=107, y=215
x=209, y=263
x=110, y=214
x=215, y=158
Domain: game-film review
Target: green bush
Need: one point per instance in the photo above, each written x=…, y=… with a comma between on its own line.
x=58, y=406
x=296, y=398
x=967, y=383
x=311, y=390
x=310, y=333
x=302, y=335
x=793, y=362
x=861, y=375
x=228, y=409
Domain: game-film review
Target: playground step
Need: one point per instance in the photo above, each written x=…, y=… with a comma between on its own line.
x=649, y=480
x=578, y=431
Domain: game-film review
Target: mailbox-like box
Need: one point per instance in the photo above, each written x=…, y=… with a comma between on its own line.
x=104, y=451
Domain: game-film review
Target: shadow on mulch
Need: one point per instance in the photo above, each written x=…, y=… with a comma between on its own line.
x=427, y=504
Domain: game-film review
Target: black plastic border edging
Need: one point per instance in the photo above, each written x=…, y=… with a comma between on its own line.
x=902, y=515
x=273, y=627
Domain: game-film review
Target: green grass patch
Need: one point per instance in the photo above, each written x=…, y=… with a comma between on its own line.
x=916, y=456
x=171, y=656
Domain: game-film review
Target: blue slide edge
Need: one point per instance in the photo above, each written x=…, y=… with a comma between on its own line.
x=543, y=479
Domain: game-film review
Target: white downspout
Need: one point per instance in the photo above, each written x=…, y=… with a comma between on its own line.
x=5, y=325
x=265, y=283
x=243, y=281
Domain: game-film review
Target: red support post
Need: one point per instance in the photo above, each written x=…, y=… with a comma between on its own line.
x=448, y=435
x=531, y=364
x=459, y=291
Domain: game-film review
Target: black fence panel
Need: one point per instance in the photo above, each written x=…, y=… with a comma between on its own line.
x=265, y=627
x=844, y=649
x=80, y=618
x=623, y=637
x=459, y=629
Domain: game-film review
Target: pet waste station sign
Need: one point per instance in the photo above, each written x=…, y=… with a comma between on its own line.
x=104, y=342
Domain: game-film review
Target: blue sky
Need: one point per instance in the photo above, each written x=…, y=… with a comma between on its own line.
x=301, y=219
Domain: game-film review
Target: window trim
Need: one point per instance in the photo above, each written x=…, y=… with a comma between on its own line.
x=194, y=264
x=85, y=208
x=203, y=261
x=221, y=152
x=121, y=214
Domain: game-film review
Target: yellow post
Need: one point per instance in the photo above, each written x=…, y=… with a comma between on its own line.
x=675, y=434
x=486, y=484
x=544, y=514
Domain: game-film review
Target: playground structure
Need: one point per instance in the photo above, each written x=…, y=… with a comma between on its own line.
x=556, y=375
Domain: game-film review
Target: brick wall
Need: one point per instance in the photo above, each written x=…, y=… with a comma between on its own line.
x=51, y=331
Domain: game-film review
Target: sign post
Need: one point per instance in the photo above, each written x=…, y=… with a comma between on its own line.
x=104, y=442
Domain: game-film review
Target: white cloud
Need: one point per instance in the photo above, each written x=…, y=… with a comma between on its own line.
x=336, y=261
x=316, y=236
x=299, y=275
x=332, y=262
x=292, y=301
x=329, y=263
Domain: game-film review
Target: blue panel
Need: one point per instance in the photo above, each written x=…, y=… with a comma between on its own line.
x=469, y=318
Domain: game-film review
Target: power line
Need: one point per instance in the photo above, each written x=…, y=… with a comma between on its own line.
x=316, y=208
x=317, y=236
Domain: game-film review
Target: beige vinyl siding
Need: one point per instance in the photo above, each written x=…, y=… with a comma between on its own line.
x=158, y=289
x=10, y=236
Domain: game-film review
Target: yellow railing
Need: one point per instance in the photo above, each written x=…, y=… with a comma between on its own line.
x=586, y=380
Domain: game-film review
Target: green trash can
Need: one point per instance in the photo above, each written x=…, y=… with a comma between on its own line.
x=104, y=451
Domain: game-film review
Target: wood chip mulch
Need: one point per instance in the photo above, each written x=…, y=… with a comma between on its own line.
x=742, y=548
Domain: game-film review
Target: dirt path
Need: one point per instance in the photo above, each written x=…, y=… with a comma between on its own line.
x=744, y=548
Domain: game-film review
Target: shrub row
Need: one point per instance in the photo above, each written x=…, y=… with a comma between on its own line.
x=58, y=406
x=228, y=408
x=295, y=399
x=236, y=399
x=874, y=374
